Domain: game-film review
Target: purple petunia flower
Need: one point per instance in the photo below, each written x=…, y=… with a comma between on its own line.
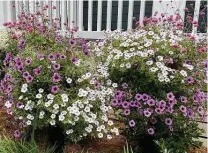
x=145, y=97
x=125, y=104
x=28, y=61
x=51, y=57
x=21, y=44
x=132, y=104
x=63, y=57
x=190, y=113
x=182, y=108
x=20, y=105
x=162, y=103
x=58, y=55
x=114, y=102
x=72, y=42
x=74, y=60
x=168, y=121
x=183, y=99
x=118, y=94
x=170, y=96
x=25, y=74
x=17, y=134
x=37, y=71
x=56, y=77
x=131, y=123
x=158, y=110
x=200, y=110
x=29, y=79
x=147, y=113
x=151, y=102
x=172, y=102
x=170, y=110
x=86, y=51
x=120, y=102
x=195, y=98
x=151, y=131
x=190, y=80
x=56, y=66
x=126, y=112
x=138, y=97
x=55, y=89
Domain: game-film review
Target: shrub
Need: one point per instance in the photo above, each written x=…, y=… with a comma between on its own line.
x=161, y=76
x=51, y=81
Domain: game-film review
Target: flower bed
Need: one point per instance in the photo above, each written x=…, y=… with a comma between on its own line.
x=152, y=80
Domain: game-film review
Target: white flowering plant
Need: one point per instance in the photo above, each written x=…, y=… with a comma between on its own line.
x=50, y=82
x=161, y=76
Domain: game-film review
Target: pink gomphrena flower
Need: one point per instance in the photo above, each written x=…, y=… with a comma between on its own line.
x=14, y=36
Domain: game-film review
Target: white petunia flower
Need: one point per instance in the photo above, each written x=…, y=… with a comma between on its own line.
x=38, y=96
x=69, y=80
x=183, y=73
x=40, y=90
x=100, y=135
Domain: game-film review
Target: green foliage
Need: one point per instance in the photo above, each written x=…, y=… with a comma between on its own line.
x=9, y=145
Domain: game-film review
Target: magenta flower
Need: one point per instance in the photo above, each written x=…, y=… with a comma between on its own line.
x=168, y=121
x=58, y=55
x=151, y=131
x=125, y=104
x=151, y=102
x=86, y=51
x=29, y=78
x=170, y=96
x=132, y=104
x=28, y=61
x=145, y=97
x=56, y=66
x=17, y=134
x=51, y=57
x=131, y=123
x=138, y=97
x=158, y=110
x=190, y=80
x=56, y=77
x=114, y=102
x=147, y=113
x=182, y=108
x=63, y=57
x=183, y=99
x=25, y=74
x=170, y=110
x=74, y=60
x=119, y=94
x=162, y=103
x=172, y=102
x=126, y=112
x=37, y=71
x=72, y=42
x=55, y=89
x=19, y=105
